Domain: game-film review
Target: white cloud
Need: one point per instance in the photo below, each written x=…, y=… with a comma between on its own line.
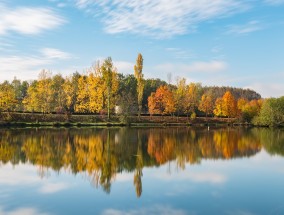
x=249, y=27
x=26, y=175
x=159, y=18
x=199, y=66
x=21, y=211
x=268, y=89
x=23, y=175
x=200, y=177
x=155, y=210
x=50, y=188
x=124, y=67
x=25, y=20
x=28, y=67
x=55, y=53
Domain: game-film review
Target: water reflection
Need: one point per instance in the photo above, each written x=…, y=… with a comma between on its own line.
x=103, y=153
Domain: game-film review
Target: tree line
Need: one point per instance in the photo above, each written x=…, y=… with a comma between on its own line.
x=103, y=90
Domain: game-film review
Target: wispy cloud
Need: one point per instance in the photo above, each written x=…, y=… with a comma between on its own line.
x=28, y=20
x=200, y=177
x=51, y=188
x=27, y=67
x=26, y=175
x=22, y=211
x=52, y=53
x=155, y=209
x=249, y=27
x=198, y=66
x=159, y=18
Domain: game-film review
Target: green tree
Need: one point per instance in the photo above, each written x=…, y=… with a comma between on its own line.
x=110, y=78
x=272, y=112
x=140, y=81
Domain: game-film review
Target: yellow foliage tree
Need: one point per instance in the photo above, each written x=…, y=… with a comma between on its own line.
x=206, y=104
x=140, y=81
x=82, y=101
x=219, y=107
x=7, y=97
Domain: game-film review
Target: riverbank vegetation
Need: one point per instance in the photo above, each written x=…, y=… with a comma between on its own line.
x=103, y=91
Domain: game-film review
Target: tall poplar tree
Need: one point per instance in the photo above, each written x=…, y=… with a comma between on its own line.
x=109, y=76
x=140, y=81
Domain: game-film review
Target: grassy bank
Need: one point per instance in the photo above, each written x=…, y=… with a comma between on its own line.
x=62, y=120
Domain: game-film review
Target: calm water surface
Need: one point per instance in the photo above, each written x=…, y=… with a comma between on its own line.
x=141, y=171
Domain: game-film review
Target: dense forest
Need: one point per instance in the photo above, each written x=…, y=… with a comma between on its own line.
x=103, y=90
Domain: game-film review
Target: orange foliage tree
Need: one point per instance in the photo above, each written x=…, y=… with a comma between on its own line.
x=161, y=102
x=226, y=106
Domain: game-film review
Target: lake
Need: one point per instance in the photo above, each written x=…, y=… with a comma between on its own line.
x=115, y=171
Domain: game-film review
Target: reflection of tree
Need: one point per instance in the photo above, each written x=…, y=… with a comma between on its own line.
x=102, y=153
x=139, y=166
x=272, y=140
x=190, y=147
x=161, y=146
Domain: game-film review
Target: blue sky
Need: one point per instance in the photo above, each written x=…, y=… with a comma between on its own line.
x=220, y=42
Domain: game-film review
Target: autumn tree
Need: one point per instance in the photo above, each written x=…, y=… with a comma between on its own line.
x=58, y=95
x=96, y=89
x=82, y=97
x=219, y=107
x=180, y=96
x=247, y=110
x=226, y=106
x=140, y=81
x=7, y=97
x=230, y=105
x=161, y=102
x=44, y=90
x=31, y=101
x=192, y=96
x=69, y=90
x=206, y=104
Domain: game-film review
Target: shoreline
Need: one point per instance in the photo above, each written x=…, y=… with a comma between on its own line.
x=22, y=120
x=119, y=124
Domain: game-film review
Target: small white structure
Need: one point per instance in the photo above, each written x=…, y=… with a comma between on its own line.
x=118, y=110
